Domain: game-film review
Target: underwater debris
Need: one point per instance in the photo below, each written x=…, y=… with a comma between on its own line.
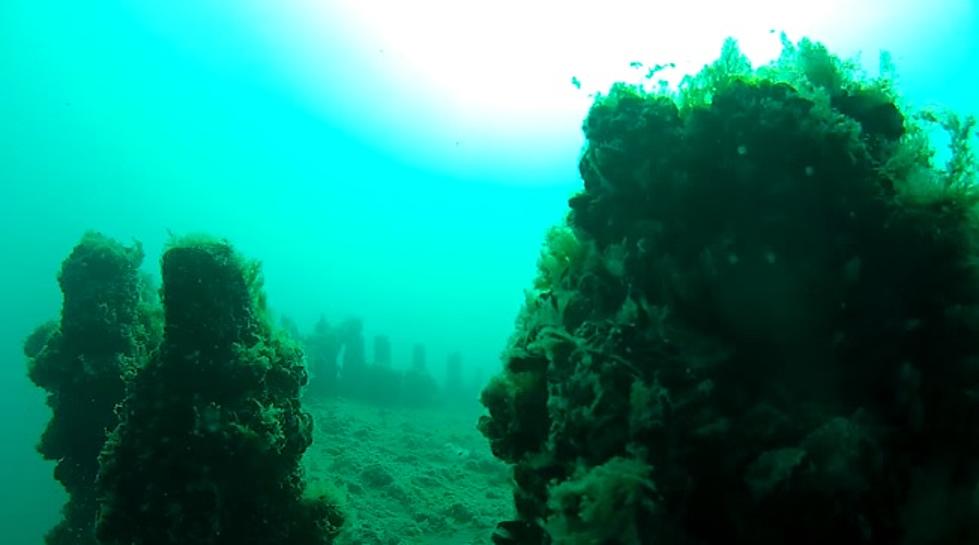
x=456, y=390
x=379, y=382
x=385, y=381
x=419, y=388
x=212, y=429
x=109, y=323
x=719, y=351
x=354, y=377
x=322, y=348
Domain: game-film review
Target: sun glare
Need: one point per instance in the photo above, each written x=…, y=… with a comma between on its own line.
x=499, y=73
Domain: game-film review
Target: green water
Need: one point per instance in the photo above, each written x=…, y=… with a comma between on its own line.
x=144, y=121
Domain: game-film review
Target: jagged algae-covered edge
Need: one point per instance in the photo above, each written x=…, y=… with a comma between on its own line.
x=759, y=323
x=108, y=324
x=212, y=431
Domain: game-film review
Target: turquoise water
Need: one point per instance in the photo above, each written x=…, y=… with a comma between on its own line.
x=360, y=196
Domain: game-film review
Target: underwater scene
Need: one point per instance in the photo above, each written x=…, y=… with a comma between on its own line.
x=367, y=272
